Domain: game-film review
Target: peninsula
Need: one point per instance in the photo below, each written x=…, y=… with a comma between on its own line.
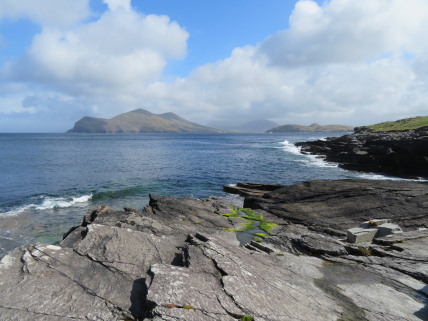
x=398, y=148
x=140, y=121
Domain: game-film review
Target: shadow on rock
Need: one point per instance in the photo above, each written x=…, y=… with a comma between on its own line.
x=423, y=313
x=138, y=298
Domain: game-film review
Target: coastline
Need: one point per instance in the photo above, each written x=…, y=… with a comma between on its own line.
x=401, y=154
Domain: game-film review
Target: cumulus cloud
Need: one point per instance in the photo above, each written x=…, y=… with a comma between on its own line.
x=46, y=12
x=106, y=60
x=354, y=62
x=350, y=62
x=120, y=50
x=345, y=31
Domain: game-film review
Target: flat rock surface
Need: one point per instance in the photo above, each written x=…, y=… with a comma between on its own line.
x=179, y=260
x=344, y=204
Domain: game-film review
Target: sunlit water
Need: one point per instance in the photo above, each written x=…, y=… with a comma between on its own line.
x=49, y=181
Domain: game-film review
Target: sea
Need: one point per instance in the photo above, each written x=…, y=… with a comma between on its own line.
x=49, y=181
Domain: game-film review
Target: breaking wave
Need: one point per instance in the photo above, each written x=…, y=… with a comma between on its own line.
x=48, y=202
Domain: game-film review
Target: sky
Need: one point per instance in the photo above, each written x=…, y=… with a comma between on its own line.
x=293, y=62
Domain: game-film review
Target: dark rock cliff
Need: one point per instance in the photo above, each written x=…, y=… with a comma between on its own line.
x=403, y=154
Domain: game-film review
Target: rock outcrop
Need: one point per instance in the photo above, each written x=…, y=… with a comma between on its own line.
x=403, y=154
x=179, y=260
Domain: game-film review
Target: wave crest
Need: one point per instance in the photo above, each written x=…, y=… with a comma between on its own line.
x=48, y=202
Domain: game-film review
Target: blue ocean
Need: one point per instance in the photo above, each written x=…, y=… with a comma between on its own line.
x=49, y=181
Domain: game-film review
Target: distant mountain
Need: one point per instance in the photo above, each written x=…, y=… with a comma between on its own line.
x=261, y=125
x=140, y=121
x=292, y=128
x=257, y=126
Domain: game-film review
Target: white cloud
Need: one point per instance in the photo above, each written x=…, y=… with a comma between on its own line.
x=118, y=52
x=351, y=62
x=46, y=12
x=354, y=62
x=347, y=31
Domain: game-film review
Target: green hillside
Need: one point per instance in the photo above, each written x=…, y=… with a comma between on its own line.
x=398, y=125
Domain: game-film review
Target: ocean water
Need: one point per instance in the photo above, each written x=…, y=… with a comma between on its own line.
x=49, y=181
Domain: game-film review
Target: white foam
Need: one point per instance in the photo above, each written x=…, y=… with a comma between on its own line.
x=290, y=147
x=48, y=203
x=388, y=178
x=306, y=159
x=14, y=212
x=62, y=202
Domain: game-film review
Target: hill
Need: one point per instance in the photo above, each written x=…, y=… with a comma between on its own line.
x=398, y=125
x=293, y=128
x=140, y=121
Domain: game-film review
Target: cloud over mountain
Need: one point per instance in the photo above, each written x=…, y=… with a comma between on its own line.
x=350, y=62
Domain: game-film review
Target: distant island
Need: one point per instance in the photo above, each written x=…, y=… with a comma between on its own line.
x=292, y=128
x=140, y=121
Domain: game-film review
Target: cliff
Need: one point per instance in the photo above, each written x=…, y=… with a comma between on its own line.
x=140, y=121
x=293, y=128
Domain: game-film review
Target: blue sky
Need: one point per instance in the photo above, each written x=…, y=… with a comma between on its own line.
x=337, y=61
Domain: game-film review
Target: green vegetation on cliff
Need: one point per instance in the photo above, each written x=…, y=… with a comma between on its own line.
x=398, y=125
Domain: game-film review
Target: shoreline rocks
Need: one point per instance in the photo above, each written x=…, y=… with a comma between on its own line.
x=402, y=154
x=178, y=260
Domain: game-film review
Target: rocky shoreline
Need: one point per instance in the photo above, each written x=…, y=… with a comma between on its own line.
x=402, y=154
x=179, y=259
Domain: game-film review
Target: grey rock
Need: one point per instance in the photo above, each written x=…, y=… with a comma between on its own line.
x=359, y=235
x=402, y=237
x=54, y=283
x=175, y=261
x=344, y=204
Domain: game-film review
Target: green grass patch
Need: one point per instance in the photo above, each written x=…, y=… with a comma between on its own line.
x=279, y=254
x=364, y=251
x=267, y=227
x=246, y=226
x=263, y=235
x=236, y=211
x=399, y=125
x=250, y=216
x=246, y=318
x=228, y=229
x=188, y=307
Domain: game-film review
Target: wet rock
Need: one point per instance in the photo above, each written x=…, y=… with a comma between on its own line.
x=250, y=189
